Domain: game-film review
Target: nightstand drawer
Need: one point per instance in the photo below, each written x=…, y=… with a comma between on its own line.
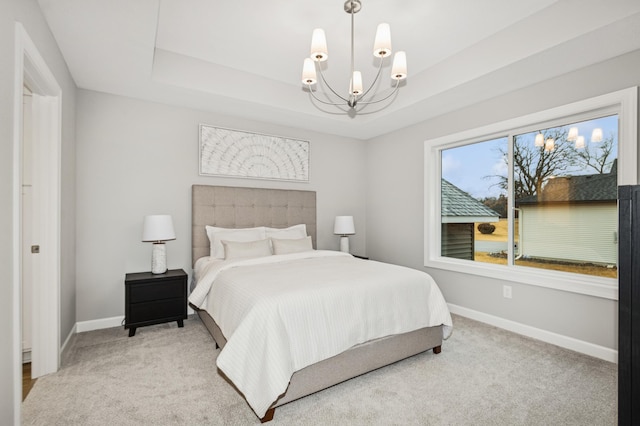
x=166, y=289
x=161, y=309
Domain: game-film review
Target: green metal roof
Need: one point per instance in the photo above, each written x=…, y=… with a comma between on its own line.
x=457, y=203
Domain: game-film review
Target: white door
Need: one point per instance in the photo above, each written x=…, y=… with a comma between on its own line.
x=45, y=230
x=27, y=215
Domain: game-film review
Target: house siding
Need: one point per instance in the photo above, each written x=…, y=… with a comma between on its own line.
x=572, y=233
x=457, y=240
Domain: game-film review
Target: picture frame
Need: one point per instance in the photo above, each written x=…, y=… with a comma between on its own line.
x=234, y=153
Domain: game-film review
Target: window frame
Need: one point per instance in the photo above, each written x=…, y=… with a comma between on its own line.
x=624, y=103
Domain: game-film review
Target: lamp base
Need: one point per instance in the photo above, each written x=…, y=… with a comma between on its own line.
x=159, y=258
x=344, y=244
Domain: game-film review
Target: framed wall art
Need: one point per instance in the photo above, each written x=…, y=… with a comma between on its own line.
x=235, y=153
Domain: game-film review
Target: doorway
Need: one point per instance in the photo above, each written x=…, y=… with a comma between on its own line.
x=43, y=212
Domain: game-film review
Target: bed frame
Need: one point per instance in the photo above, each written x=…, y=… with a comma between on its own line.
x=235, y=207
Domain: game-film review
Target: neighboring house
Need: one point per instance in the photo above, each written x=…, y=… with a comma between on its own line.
x=575, y=218
x=460, y=211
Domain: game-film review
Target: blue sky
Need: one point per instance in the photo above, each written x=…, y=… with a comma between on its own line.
x=470, y=167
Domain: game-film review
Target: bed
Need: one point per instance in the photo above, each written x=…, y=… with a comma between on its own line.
x=233, y=208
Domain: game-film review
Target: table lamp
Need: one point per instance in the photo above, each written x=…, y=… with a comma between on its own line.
x=344, y=226
x=158, y=229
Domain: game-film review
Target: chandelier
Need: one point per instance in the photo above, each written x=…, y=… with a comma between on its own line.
x=549, y=144
x=356, y=94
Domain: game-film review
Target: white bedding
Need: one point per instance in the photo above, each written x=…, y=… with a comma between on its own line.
x=282, y=313
x=201, y=264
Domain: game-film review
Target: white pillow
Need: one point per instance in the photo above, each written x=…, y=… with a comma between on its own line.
x=291, y=233
x=287, y=246
x=216, y=235
x=235, y=250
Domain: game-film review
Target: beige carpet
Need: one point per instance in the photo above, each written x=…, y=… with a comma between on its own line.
x=166, y=375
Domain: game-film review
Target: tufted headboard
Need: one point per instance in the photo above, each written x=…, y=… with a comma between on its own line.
x=236, y=207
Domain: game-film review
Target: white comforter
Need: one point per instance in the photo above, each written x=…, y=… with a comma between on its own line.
x=282, y=313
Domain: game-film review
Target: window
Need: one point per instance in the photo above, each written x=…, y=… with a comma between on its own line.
x=534, y=197
x=472, y=199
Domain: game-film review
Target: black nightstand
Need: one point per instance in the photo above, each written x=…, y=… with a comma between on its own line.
x=154, y=299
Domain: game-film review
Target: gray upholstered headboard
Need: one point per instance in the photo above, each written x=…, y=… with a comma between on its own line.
x=235, y=207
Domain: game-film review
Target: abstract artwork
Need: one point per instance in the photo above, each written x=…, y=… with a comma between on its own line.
x=233, y=153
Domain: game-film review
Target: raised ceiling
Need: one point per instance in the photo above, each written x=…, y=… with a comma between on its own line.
x=245, y=57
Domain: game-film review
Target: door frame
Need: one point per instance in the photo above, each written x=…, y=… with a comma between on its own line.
x=32, y=71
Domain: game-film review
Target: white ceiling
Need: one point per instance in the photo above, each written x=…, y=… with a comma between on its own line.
x=245, y=57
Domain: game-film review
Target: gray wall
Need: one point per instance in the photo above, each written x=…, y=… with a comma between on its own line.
x=396, y=234
x=28, y=13
x=137, y=158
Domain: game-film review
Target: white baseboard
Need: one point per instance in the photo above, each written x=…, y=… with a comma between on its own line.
x=99, y=324
x=566, y=342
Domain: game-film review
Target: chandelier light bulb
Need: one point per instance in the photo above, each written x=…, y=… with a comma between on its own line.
x=573, y=134
x=399, y=68
x=319, y=51
x=382, y=44
x=539, y=140
x=596, y=135
x=580, y=142
x=356, y=87
x=549, y=145
x=309, y=72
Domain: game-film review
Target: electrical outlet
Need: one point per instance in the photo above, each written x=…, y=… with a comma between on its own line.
x=506, y=292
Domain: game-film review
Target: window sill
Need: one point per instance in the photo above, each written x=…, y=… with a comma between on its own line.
x=606, y=288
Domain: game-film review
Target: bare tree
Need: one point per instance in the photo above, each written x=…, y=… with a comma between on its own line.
x=597, y=156
x=533, y=165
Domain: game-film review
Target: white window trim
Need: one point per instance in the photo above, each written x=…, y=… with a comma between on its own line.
x=623, y=102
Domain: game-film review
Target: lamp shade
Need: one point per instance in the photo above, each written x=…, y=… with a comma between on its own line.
x=549, y=145
x=399, y=68
x=309, y=72
x=596, y=135
x=356, y=83
x=539, y=140
x=319, y=51
x=344, y=225
x=573, y=134
x=158, y=228
x=382, y=43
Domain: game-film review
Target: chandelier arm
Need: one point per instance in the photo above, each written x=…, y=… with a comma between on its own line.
x=395, y=90
x=329, y=86
x=312, y=93
x=374, y=80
